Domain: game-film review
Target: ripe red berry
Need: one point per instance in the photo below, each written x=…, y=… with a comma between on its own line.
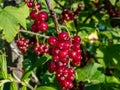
x=64, y=60
x=52, y=41
x=75, y=46
x=72, y=54
x=63, y=54
x=39, y=6
x=81, y=85
x=55, y=58
x=34, y=28
x=25, y=1
x=60, y=45
x=33, y=14
x=63, y=36
x=52, y=67
x=76, y=39
x=42, y=16
x=43, y=26
x=30, y=4
x=79, y=6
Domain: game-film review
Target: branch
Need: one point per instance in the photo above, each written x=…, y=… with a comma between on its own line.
x=53, y=14
x=13, y=68
x=90, y=15
x=23, y=82
x=35, y=78
x=37, y=34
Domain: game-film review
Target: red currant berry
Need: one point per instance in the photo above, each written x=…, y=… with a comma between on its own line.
x=63, y=54
x=55, y=58
x=33, y=14
x=42, y=16
x=34, y=28
x=52, y=41
x=39, y=6
x=30, y=4
x=76, y=39
x=63, y=36
x=43, y=27
x=52, y=67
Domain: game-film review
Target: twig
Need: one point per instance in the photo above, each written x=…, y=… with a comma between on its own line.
x=35, y=78
x=23, y=82
x=59, y=4
x=53, y=16
x=3, y=82
x=90, y=15
x=15, y=50
x=13, y=68
x=37, y=34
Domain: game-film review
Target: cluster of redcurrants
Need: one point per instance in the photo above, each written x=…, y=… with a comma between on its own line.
x=41, y=49
x=23, y=44
x=68, y=15
x=39, y=17
x=65, y=52
x=114, y=13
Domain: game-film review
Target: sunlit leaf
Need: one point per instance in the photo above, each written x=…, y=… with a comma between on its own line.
x=10, y=18
x=45, y=88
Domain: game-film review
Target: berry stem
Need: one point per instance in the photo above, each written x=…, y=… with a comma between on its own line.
x=76, y=76
x=37, y=39
x=53, y=14
x=25, y=31
x=66, y=30
x=36, y=6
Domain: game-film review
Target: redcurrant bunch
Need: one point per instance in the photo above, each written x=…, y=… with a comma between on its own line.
x=41, y=49
x=22, y=44
x=65, y=52
x=68, y=15
x=39, y=17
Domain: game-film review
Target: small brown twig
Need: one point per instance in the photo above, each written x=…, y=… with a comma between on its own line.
x=53, y=14
x=37, y=34
x=13, y=68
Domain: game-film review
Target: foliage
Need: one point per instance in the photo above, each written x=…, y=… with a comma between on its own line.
x=98, y=25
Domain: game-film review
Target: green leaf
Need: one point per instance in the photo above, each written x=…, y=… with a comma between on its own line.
x=118, y=3
x=10, y=18
x=93, y=72
x=13, y=86
x=40, y=62
x=45, y=88
x=24, y=88
x=112, y=2
x=109, y=56
x=112, y=79
x=3, y=67
x=1, y=87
